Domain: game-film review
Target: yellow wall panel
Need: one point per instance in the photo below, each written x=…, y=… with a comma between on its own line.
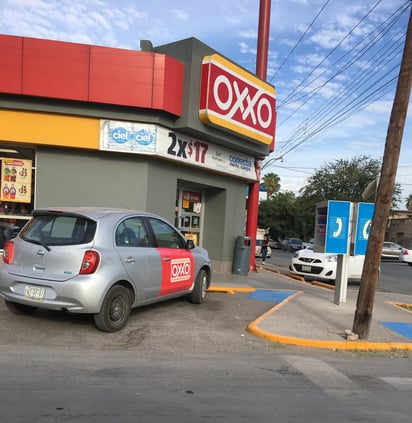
x=49, y=129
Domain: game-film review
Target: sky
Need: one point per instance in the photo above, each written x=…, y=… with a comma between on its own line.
x=334, y=63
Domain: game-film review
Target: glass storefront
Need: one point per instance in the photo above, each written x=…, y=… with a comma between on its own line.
x=17, y=166
x=189, y=209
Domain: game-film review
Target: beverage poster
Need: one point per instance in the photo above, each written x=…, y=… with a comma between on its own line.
x=16, y=180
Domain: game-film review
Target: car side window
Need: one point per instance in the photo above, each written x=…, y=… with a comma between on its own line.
x=132, y=233
x=166, y=236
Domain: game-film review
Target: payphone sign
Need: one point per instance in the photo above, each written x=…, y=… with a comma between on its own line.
x=337, y=227
x=363, y=225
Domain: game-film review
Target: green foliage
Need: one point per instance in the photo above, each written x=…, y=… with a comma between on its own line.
x=346, y=180
x=409, y=203
x=281, y=214
x=342, y=180
x=271, y=182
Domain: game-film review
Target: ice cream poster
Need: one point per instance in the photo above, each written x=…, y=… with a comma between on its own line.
x=16, y=180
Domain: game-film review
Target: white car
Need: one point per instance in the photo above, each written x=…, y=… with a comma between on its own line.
x=307, y=263
x=406, y=256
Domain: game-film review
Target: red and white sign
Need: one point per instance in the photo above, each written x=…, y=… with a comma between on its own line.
x=180, y=270
x=237, y=100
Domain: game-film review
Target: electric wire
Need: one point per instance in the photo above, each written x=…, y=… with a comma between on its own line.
x=349, y=107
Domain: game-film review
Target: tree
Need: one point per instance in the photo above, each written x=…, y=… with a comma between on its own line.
x=280, y=213
x=409, y=202
x=271, y=182
x=344, y=180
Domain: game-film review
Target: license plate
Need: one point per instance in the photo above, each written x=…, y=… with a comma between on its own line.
x=306, y=269
x=34, y=292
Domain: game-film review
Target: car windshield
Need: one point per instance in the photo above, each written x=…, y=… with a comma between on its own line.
x=51, y=229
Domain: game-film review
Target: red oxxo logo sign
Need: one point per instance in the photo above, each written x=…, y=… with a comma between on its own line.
x=180, y=269
x=234, y=99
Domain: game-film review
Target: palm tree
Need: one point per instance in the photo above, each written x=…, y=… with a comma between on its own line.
x=271, y=182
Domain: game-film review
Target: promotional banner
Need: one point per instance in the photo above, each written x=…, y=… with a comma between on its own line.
x=139, y=138
x=16, y=180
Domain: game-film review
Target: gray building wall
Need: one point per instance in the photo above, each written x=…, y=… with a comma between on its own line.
x=66, y=177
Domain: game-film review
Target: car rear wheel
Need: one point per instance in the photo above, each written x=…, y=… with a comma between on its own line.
x=198, y=294
x=17, y=308
x=115, y=310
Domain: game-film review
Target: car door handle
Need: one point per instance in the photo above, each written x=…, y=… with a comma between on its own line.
x=130, y=260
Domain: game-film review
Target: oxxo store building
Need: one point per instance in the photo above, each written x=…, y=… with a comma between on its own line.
x=175, y=130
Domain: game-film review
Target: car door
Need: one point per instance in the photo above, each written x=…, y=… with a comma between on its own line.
x=178, y=266
x=139, y=257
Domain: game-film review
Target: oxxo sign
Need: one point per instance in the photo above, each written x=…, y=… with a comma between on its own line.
x=180, y=270
x=236, y=100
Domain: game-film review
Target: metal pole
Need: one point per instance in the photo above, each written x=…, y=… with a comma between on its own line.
x=261, y=71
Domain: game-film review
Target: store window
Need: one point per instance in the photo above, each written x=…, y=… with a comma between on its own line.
x=17, y=166
x=189, y=207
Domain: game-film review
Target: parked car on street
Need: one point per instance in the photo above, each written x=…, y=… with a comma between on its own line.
x=406, y=256
x=323, y=265
x=292, y=244
x=391, y=250
x=309, y=244
x=275, y=244
x=100, y=261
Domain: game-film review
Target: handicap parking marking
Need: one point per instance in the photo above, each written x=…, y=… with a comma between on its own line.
x=405, y=329
x=272, y=295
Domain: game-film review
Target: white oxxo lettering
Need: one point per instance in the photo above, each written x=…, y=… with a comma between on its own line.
x=180, y=270
x=258, y=106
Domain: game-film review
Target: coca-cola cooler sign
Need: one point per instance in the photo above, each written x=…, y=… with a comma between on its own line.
x=234, y=99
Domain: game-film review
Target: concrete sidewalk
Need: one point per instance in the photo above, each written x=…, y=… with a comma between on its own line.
x=305, y=313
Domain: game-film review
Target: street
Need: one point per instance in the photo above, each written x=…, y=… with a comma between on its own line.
x=180, y=362
x=394, y=276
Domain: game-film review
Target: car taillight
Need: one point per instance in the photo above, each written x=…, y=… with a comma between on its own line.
x=90, y=262
x=405, y=252
x=8, y=252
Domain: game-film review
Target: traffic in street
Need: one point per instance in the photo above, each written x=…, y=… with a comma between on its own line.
x=394, y=276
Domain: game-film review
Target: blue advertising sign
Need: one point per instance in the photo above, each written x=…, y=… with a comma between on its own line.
x=363, y=226
x=337, y=227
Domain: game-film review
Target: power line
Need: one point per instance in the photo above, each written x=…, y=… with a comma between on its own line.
x=300, y=40
x=341, y=107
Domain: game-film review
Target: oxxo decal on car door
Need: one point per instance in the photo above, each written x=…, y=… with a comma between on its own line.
x=177, y=270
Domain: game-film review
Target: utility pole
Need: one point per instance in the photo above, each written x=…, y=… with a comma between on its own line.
x=370, y=274
x=261, y=71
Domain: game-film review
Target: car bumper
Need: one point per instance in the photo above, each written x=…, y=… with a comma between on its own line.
x=78, y=295
x=312, y=271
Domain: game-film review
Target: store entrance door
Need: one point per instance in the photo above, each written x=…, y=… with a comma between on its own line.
x=189, y=213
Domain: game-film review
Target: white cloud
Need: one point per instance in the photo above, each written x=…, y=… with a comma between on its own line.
x=316, y=72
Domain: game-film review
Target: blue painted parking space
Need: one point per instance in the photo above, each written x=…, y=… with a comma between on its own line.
x=405, y=329
x=275, y=295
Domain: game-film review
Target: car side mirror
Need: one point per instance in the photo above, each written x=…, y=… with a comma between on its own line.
x=190, y=244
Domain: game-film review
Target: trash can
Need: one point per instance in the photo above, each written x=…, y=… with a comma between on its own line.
x=241, y=257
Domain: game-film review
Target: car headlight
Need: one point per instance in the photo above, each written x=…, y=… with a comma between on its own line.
x=331, y=259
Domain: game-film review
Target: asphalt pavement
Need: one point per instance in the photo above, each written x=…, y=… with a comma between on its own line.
x=308, y=314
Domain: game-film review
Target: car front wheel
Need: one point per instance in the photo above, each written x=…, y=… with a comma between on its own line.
x=115, y=310
x=198, y=294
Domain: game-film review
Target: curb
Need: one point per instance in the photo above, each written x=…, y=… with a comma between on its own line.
x=254, y=328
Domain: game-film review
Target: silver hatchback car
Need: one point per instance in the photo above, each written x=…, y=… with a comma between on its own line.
x=100, y=261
